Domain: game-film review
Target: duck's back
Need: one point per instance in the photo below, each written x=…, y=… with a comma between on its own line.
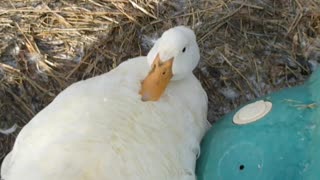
x=100, y=129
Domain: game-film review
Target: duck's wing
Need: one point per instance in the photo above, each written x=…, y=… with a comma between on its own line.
x=69, y=112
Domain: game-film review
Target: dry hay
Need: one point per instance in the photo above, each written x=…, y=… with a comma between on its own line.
x=249, y=48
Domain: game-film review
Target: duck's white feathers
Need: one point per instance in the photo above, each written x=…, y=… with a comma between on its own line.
x=99, y=129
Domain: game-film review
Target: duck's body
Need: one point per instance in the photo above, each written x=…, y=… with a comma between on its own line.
x=101, y=129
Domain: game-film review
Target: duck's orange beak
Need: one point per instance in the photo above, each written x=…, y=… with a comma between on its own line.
x=153, y=86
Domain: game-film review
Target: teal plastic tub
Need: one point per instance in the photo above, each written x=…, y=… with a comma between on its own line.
x=282, y=145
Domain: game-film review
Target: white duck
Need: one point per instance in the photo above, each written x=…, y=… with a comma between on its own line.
x=116, y=127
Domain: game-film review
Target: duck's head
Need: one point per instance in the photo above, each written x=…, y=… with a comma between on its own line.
x=173, y=57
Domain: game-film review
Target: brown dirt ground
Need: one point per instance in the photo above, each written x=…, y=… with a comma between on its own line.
x=249, y=48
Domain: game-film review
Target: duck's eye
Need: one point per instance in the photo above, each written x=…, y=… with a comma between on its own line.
x=184, y=49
